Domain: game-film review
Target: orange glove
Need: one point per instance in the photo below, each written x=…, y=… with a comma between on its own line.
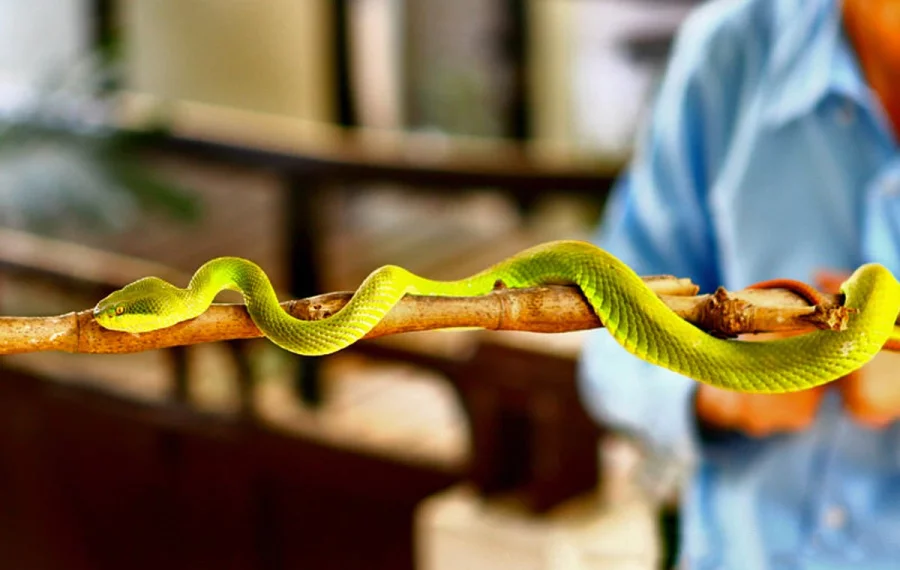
x=871, y=394
x=758, y=415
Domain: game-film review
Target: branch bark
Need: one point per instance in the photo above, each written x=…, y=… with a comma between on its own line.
x=549, y=309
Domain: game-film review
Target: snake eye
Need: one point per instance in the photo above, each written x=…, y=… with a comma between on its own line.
x=120, y=309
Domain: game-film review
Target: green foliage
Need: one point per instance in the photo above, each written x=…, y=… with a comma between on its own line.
x=62, y=163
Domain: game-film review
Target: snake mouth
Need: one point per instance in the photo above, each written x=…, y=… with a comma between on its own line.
x=100, y=313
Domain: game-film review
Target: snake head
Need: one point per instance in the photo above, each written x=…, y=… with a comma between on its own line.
x=147, y=304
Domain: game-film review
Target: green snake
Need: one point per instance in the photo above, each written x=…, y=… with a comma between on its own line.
x=632, y=313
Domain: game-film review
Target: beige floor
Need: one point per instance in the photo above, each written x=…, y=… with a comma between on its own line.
x=613, y=529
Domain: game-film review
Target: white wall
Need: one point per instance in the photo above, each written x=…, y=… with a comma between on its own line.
x=610, y=93
x=37, y=38
x=273, y=56
x=586, y=89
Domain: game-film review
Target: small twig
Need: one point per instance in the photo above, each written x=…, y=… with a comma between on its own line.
x=548, y=309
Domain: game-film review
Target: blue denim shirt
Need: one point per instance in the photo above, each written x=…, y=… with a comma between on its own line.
x=766, y=156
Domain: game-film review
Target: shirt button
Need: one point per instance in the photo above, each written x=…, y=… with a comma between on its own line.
x=834, y=518
x=890, y=187
x=845, y=114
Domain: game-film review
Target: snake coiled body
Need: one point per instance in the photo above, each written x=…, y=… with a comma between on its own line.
x=631, y=312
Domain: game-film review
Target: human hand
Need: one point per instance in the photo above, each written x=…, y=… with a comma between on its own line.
x=758, y=415
x=871, y=395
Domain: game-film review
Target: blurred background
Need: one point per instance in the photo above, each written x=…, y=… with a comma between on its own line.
x=320, y=138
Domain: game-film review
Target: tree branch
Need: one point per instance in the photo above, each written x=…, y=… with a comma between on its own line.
x=549, y=309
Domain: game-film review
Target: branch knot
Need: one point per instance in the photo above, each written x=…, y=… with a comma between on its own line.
x=725, y=316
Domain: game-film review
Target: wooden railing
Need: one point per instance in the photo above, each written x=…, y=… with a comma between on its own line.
x=312, y=158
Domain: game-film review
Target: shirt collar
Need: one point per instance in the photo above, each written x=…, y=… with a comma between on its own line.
x=811, y=59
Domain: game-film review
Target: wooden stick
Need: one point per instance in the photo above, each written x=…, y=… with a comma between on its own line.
x=549, y=309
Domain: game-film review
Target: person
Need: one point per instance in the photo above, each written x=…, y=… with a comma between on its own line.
x=770, y=152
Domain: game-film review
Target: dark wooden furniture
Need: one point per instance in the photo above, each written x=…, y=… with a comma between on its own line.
x=94, y=481
x=531, y=437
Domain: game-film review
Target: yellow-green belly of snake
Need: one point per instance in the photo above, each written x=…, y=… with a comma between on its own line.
x=632, y=313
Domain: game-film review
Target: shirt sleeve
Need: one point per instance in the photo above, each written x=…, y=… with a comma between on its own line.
x=881, y=219
x=657, y=221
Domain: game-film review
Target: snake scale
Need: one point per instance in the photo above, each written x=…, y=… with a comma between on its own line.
x=631, y=312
